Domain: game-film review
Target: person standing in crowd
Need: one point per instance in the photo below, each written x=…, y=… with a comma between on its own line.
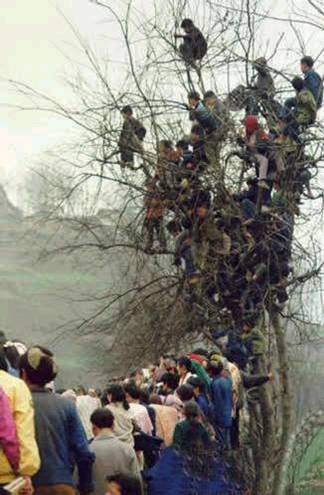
x=184, y=370
x=221, y=404
x=59, y=432
x=122, y=484
x=139, y=411
x=124, y=418
x=111, y=455
x=21, y=406
x=189, y=466
x=85, y=405
x=199, y=392
x=166, y=418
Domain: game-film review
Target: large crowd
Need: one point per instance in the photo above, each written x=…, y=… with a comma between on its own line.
x=169, y=428
x=175, y=426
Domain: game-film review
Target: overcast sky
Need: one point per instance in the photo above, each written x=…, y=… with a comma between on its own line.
x=36, y=40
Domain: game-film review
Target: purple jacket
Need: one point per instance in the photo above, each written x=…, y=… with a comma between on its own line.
x=8, y=435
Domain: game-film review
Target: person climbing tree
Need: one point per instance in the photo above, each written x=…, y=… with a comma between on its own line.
x=154, y=216
x=194, y=45
x=202, y=114
x=262, y=88
x=313, y=81
x=131, y=137
x=303, y=109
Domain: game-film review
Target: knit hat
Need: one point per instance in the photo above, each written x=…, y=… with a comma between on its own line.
x=251, y=124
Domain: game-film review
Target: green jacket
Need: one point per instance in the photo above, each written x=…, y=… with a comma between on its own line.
x=200, y=371
x=255, y=342
x=306, y=110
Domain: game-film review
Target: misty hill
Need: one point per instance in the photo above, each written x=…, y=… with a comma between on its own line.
x=39, y=297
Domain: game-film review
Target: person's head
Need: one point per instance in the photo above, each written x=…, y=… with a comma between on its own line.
x=201, y=352
x=170, y=365
x=191, y=412
x=132, y=392
x=152, y=370
x=101, y=419
x=251, y=124
x=169, y=382
x=187, y=25
x=37, y=366
x=127, y=112
x=3, y=361
x=92, y=392
x=210, y=98
x=71, y=395
x=174, y=227
x=306, y=64
x=185, y=392
x=165, y=149
x=197, y=384
x=116, y=394
x=12, y=354
x=184, y=366
x=145, y=395
x=123, y=484
x=155, y=399
x=193, y=98
x=215, y=368
x=197, y=133
x=249, y=323
x=252, y=181
x=260, y=64
x=181, y=147
x=298, y=84
x=80, y=390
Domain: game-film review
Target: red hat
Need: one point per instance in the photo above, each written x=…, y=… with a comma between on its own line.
x=251, y=124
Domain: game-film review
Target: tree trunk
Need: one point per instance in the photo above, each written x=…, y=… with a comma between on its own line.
x=286, y=404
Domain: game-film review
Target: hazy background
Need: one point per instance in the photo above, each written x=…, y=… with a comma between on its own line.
x=39, y=48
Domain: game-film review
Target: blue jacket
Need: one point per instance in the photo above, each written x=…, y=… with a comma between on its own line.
x=204, y=117
x=171, y=475
x=221, y=395
x=203, y=404
x=61, y=441
x=314, y=83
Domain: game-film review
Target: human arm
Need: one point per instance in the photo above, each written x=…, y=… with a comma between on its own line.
x=84, y=458
x=24, y=418
x=250, y=381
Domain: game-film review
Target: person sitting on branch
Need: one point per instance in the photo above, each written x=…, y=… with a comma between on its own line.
x=303, y=109
x=313, y=81
x=194, y=46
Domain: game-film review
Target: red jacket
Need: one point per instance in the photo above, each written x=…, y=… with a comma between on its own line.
x=8, y=434
x=154, y=205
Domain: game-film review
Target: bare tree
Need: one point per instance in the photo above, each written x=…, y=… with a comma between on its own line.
x=152, y=309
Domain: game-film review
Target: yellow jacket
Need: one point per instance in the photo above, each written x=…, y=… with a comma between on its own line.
x=22, y=407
